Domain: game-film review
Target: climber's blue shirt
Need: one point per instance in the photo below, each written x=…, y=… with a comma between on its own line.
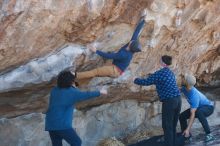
x=165, y=82
x=121, y=59
x=195, y=98
x=59, y=115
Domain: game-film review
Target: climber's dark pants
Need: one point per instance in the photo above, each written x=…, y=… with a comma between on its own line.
x=201, y=113
x=170, y=114
x=138, y=30
x=69, y=135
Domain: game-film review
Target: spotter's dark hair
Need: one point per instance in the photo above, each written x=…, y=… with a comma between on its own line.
x=65, y=79
x=167, y=59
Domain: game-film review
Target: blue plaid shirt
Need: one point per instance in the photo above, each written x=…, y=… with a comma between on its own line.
x=165, y=82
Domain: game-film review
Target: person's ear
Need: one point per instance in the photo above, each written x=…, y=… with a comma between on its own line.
x=182, y=79
x=76, y=84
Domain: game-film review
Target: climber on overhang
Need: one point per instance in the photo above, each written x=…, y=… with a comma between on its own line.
x=121, y=59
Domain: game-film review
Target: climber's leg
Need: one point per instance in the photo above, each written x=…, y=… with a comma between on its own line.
x=105, y=71
x=138, y=29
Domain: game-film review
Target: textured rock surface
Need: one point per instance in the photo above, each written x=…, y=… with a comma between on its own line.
x=129, y=120
x=197, y=139
x=33, y=28
x=40, y=38
x=34, y=36
x=111, y=142
x=24, y=131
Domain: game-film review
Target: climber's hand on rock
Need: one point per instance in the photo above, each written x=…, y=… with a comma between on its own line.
x=104, y=91
x=134, y=78
x=92, y=48
x=186, y=133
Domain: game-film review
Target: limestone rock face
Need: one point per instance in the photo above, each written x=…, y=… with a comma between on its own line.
x=129, y=120
x=25, y=130
x=39, y=38
x=30, y=29
x=111, y=142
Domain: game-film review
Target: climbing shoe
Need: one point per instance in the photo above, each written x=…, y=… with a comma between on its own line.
x=144, y=13
x=209, y=137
